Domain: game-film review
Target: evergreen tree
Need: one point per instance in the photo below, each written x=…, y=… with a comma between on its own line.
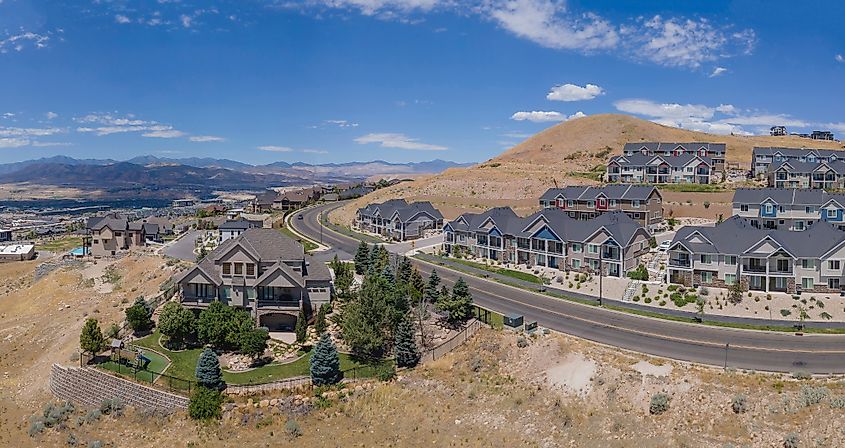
x=205, y=404
x=407, y=354
x=143, y=303
x=387, y=273
x=431, y=294
x=320, y=324
x=325, y=364
x=404, y=272
x=416, y=287
x=91, y=339
x=367, y=321
x=177, y=323
x=459, y=303
x=301, y=328
x=208, y=371
x=362, y=259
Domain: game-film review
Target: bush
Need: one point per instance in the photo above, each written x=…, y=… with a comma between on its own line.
x=36, y=427
x=386, y=372
x=739, y=404
x=292, y=429
x=809, y=395
x=703, y=291
x=837, y=402
x=671, y=287
x=659, y=403
x=801, y=375
x=636, y=298
x=113, y=406
x=640, y=273
x=647, y=300
x=205, y=404
x=662, y=303
x=521, y=342
x=791, y=440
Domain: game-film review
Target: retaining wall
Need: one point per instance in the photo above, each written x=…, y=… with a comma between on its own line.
x=90, y=387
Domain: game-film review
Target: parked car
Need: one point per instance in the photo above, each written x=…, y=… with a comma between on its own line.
x=664, y=246
x=299, y=216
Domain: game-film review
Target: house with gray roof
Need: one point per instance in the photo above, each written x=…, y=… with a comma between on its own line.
x=763, y=157
x=713, y=151
x=760, y=259
x=642, y=203
x=611, y=242
x=262, y=271
x=640, y=168
x=789, y=209
x=797, y=174
x=399, y=220
x=233, y=228
x=112, y=233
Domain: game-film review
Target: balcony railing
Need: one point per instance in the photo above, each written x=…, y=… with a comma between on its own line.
x=285, y=304
x=753, y=268
x=610, y=255
x=679, y=262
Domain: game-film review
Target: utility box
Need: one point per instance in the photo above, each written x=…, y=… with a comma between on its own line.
x=531, y=326
x=513, y=320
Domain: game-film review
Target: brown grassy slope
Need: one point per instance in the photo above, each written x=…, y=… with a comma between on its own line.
x=521, y=174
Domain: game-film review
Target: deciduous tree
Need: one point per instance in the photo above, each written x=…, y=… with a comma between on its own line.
x=177, y=323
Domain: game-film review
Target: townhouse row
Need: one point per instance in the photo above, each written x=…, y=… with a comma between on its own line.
x=399, y=220
x=611, y=243
x=643, y=204
x=662, y=163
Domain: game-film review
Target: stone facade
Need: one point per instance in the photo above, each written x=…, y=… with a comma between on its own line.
x=90, y=387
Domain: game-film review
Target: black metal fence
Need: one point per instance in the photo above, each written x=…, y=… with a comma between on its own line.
x=141, y=374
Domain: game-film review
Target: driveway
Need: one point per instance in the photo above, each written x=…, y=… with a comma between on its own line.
x=183, y=248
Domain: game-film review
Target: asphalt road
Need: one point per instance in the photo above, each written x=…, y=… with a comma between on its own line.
x=741, y=349
x=183, y=248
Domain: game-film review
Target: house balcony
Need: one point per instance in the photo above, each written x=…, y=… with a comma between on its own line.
x=680, y=263
x=746, y=267
x=279, y=305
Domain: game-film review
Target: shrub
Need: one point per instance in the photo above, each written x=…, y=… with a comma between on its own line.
x=791, y=440
x=785, y=312
x=671, y=287
x=648, y=300
x=205, y=404
x=386, y=372
x=820, y=304
x=809, y=395
x=837, y=402
x=112, y=406
x=801, y=375
x=521, y=342
x=36, y=427
x=92, y=416
x=703, y=291
x=636, y=298
x=739, y=404
x=640, y=273
x=659, y=403
x=292, y=429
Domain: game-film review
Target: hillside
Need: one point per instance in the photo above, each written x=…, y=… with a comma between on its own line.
x=521, y=174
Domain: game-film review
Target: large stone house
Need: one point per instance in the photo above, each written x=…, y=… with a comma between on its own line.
x=760, y=259
x=113, y=233
x=641, y=203
x=789, y=209
x=398, y=220
x=763, y=157
x=612, y=242
x=262, y=271
x=638, y=168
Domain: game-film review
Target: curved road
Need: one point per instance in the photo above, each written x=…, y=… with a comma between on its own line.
x=742, y=349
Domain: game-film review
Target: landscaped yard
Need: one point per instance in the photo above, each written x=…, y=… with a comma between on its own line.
x=60, y=245
x=501, y=271
x=157, y=365
x=185, y=362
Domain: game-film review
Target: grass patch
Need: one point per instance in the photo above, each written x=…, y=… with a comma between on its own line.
x=157, y=364
x=596, y=174
x=307, y=244
x=524, y=276
x=691, y=188
x=61, y=244
x=184, y=363
x=494, y=319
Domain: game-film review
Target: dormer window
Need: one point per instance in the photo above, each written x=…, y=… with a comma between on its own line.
x=239, y=268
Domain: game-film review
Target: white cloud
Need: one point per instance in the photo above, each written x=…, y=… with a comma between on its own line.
x=546, y=23
x=572, y=92
x=186, y=20
x=727, y=109
x=13, y=142
x=205, y=138
x=272, y=148
x=51, y=115
x=384, y=8
x=517, y=135
x=315, y=151
x=664, y=110
x=23, y=38
x=164, y=133
x=398, y=141
x=342, y=123
x=718, y=71
x=539, y=116
x=121, y=19
x=8, y=115
x=50, y=144
x=839, y=58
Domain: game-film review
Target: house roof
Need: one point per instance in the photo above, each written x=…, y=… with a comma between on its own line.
x=614, y=191
x=405, y=210
x=113, y=221
x=796, y=152
x=798, y=167
x=736, y=236
x=240, y=224
x=654, y=147
x=786, y=196
x=638, y=159
x=266, y=198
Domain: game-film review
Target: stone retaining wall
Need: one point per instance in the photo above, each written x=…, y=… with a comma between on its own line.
x=90, y=387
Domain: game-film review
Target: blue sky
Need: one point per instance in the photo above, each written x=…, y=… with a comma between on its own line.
x=400, y=80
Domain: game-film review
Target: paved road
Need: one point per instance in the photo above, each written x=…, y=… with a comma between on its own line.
x=183, y=248
x=758, y=350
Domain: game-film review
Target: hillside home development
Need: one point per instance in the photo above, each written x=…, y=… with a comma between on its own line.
x=261, y=271
x=760, y=259
x=795, y=174
x=663, y=163
x=113, y=233
x=641, y=203
x=398, y=220
x=763, y=157
x=612, y=242
x=789, y=209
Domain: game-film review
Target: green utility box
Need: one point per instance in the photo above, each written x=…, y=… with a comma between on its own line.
x=513, y=320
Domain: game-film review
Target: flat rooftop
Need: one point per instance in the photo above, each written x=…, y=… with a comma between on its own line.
x=16, y=249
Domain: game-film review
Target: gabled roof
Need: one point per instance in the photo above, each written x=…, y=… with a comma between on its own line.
x=654, y=147
x=673, y=161
x=798, y=167
x=113, y=221
x=796, y=152
x=786, y=196
x=612, y=191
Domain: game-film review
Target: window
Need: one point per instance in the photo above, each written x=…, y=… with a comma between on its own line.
x=576, y=264
x=226, y=292
x=807, y=283
x=730, y=279
x=239, y=268
x=809, y=209
x=743, y=207
x=570, y=203
x=635, y=204
x=250, y=269
x=782, y=265
x=730, y=260
x=799, y=225
x=707, y=259
x=769, y=208
x=591, y=204
x=576, y=247
x=706, y=277
x=593, y=248
x=202, y=290
x=833, y=283
x=227, y=269
x=807, y=263
x=613, y=202
x=831, y=213
x=833, y=264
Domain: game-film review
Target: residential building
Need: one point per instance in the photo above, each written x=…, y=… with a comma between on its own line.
x=822, y=135
x=713, y=151
x=762, y=157
x=612, y=242
x=760, y=259
x=355, y=192
x=178, y=203
x=777, y=131
x=399, y=220
x=114, y=233
x=5, y=235
x=789, y=209
x=797, y=174
x=263, y=202
x=17, y=252
x=232, y=229
x=292, y=200
x=640, y=202
x=262, y=271
x=684, y=168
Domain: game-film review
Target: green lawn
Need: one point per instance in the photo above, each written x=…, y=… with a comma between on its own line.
x=501, y=271
x=157, y=364
x=60, y=245
x=184, y=365
x=306, y=243
x=494, y=319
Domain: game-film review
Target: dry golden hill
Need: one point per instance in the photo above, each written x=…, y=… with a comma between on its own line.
x=521, y=174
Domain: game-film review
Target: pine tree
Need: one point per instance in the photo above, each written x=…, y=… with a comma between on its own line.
x=431, y=294
x=362, y=259
x=320, y=325
x=404, y=272
x=208, y=371
x=325, y=364
x=387, y=273
x=416, y=287
x=367, y=321
x=91, y=339
x=407, y=354
x=459, y=303
x=301, y=328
